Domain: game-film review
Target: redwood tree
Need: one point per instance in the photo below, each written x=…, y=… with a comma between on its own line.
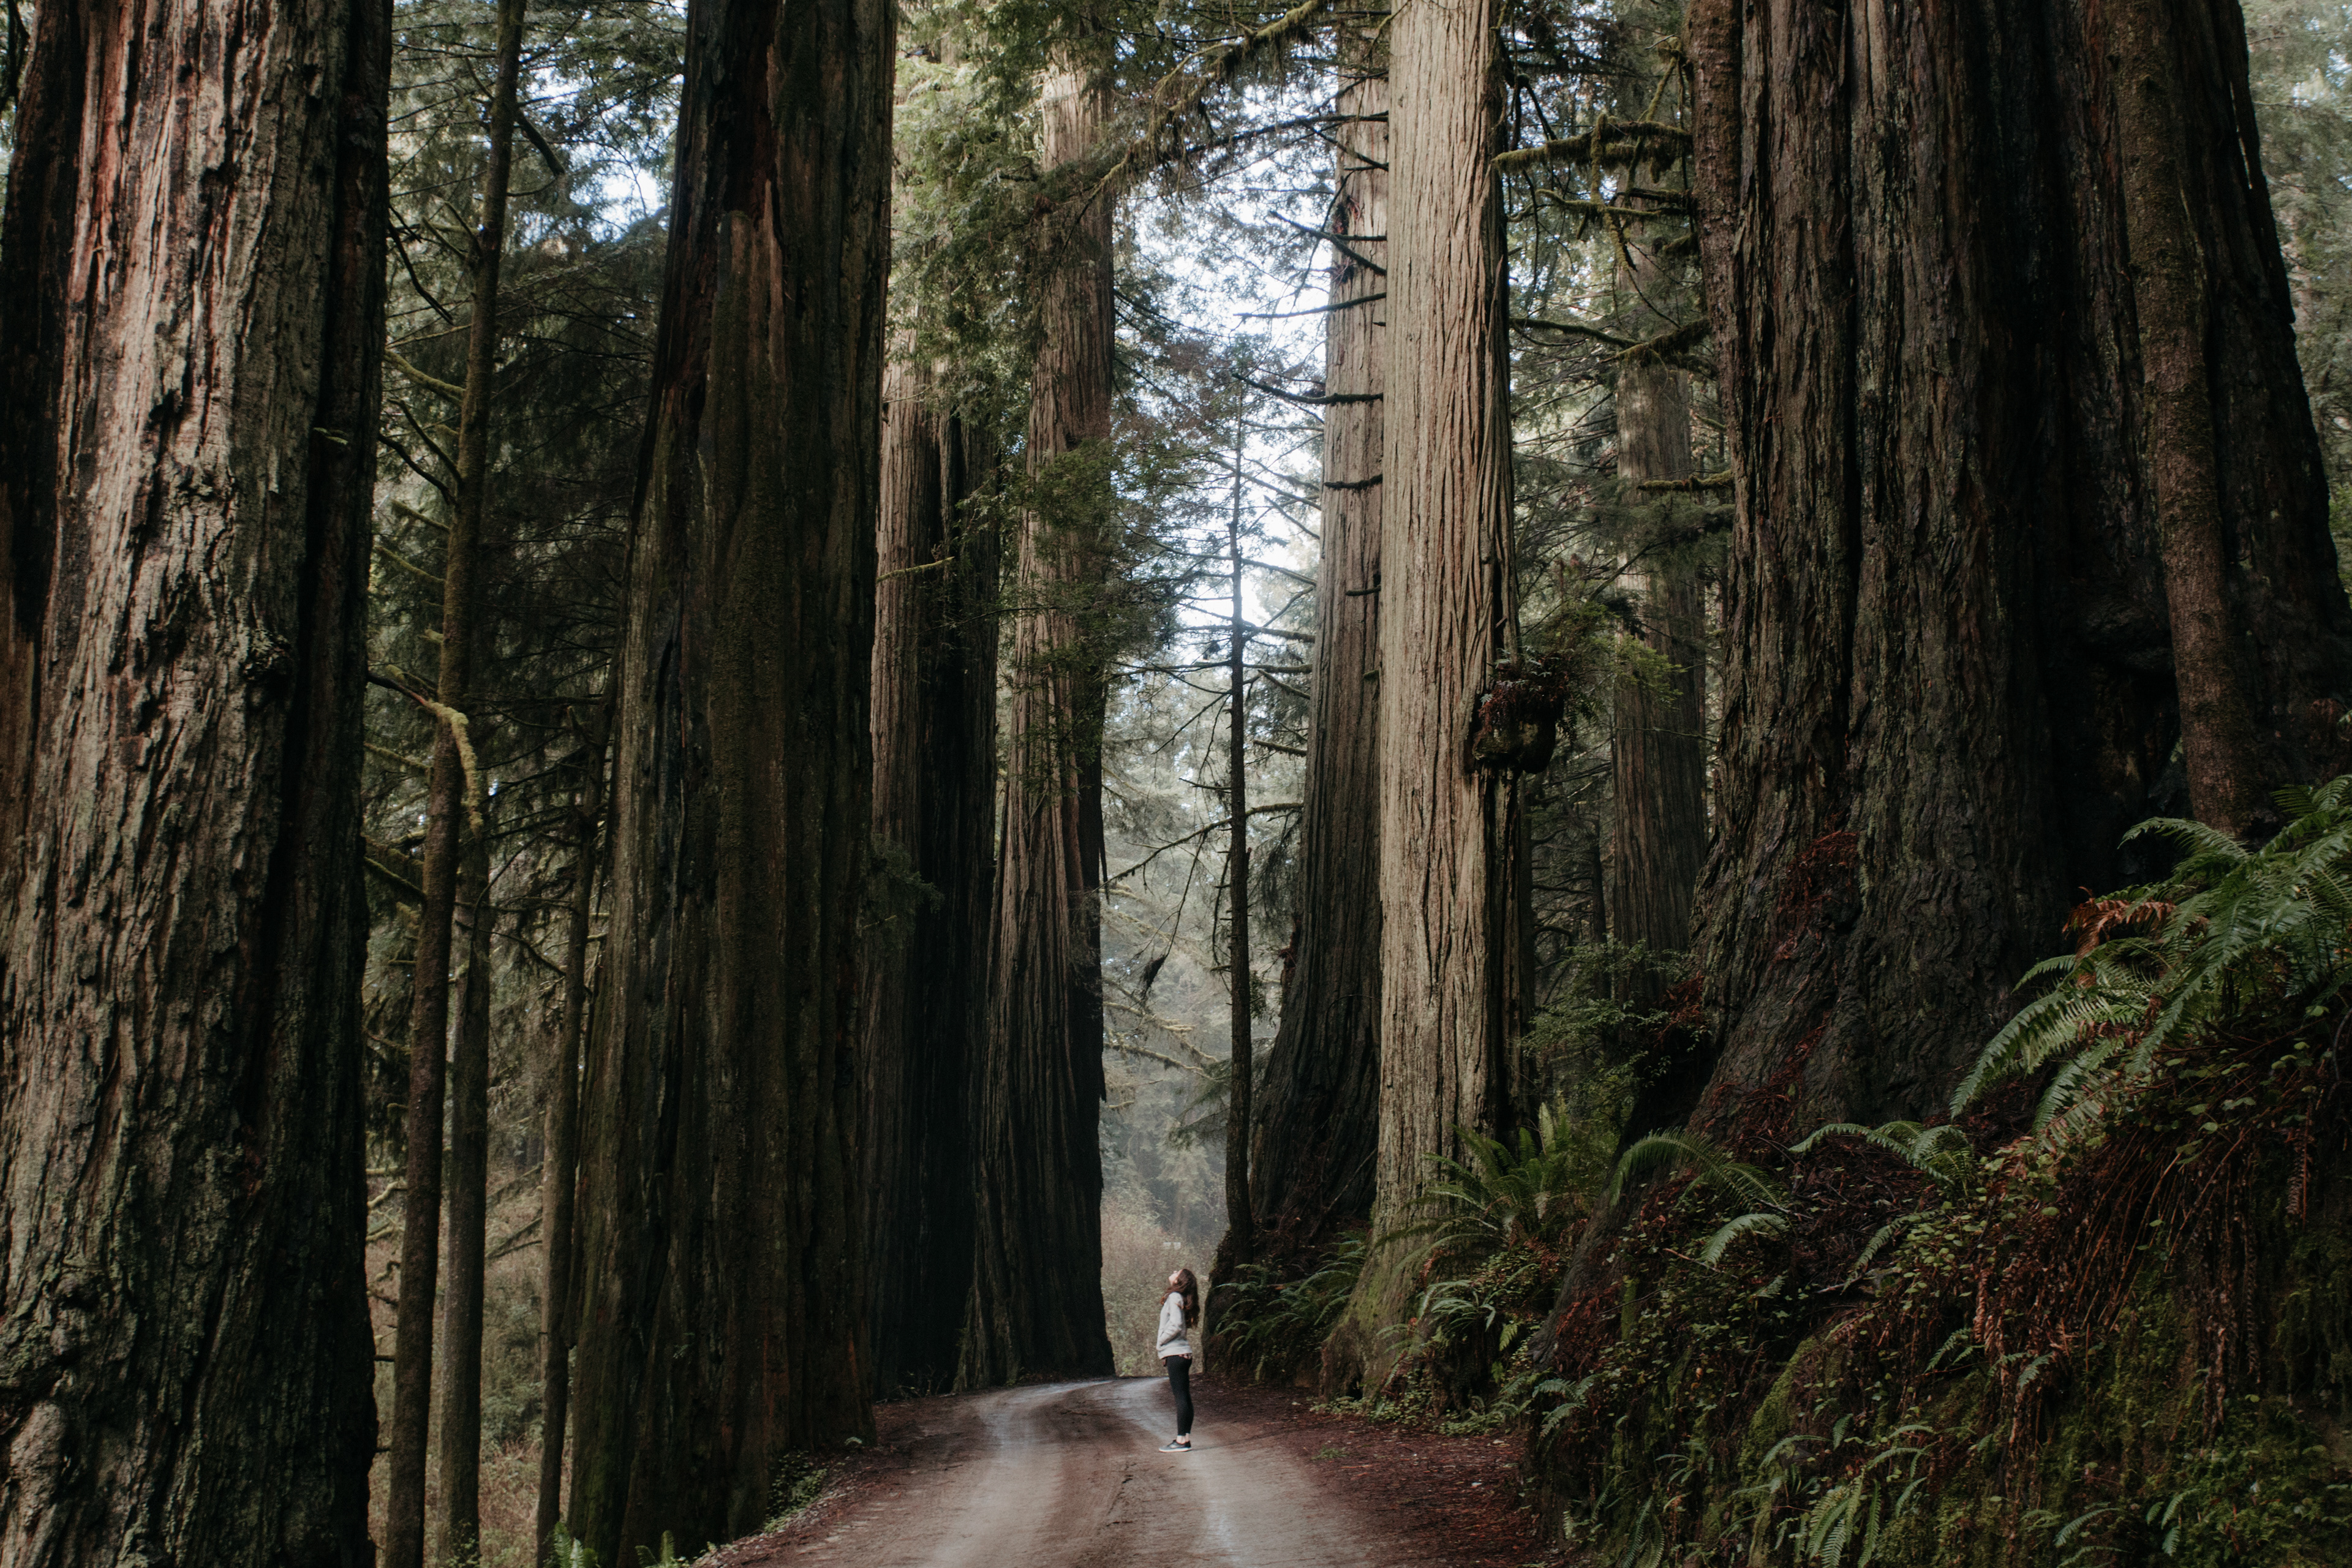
x=191, y=298
x=1657, y=748
x=926, y=990
x=1312, y=1147
x=2030, y=504
x=1037, y=1293
x=723, y=1235
x=1447, y=883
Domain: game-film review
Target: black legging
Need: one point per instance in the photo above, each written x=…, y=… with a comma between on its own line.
x=1179, y=1378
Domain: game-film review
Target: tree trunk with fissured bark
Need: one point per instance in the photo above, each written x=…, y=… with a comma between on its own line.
x=722, y=1234
x=1449, y=949
x=1037, y=1304
x=925, y=989
x=1319, y=1125
x=191, y=321
x=2031, y=535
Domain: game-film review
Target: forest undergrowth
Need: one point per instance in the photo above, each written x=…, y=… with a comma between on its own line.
x=2099, y=1314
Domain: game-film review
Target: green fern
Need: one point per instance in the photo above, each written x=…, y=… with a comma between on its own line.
x=1274, y=1324
x=1531, y=1188
x=1768, y=1201
x=1943, y=1154
x=2232, y=929
x=565, y=1551
x=1756, y=1222
x=1675, y=1151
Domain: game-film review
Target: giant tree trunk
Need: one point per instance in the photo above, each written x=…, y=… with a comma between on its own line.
x=1961, y=403
x=186, y=457
x=1312, y=1149
x=1658, y=746
x=454, y=801
x=722, y=1238
x=1036, y=1302
x=1448, y=960
x=926, y=996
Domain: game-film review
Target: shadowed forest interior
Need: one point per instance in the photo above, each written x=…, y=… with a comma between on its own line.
x=1637, y=714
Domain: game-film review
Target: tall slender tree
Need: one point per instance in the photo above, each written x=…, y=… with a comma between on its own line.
x=1316, y=1134
x=925, y=994
x=560, y=1168
x=453, y=810
x=191, y=325
x=468, y=1229
x=2023, y=457
x=1239, y=1247
x=722, y=1232
x=1448, y=960
x=1037, y=1295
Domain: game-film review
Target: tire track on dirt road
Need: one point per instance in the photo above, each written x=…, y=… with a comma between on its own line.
x=1069, y=1476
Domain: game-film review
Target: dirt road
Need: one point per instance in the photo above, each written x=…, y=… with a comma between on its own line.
x=1068, y=1476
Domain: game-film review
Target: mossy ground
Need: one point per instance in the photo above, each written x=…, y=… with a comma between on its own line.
x=2133, y=1351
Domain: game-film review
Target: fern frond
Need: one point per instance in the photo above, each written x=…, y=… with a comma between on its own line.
x=1880, y=1238
x=1669, y=1151
x=1646, y=1157
x=1754, y=1223
x=2200, y=841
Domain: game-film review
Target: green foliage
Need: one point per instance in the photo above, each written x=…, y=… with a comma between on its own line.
x=2301, y=74
x=1528, y=1190
x=1273, y=1325
x=1662, y=1152
x=1588, y=1016
x=1942, y=1153
x=2232, y=932
x=563, y=1551
x=2066, y=1352
x=797, y=1480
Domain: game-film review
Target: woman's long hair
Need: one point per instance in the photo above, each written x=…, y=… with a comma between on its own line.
x=1190, y=1289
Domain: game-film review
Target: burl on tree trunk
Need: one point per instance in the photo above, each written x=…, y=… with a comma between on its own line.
x=721, y=1232
x=2031, y=536
x=191, y=319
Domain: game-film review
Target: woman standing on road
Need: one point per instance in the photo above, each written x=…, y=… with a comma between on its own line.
x=1179, y=1311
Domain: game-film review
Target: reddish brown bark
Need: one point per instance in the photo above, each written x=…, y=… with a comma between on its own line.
x=926, y=993
x=469, y=1230
x=1960, y=647
x=1313, y=1146
x=191, y=317
x=1449, y=947
x=1036, y=1296
x=1239, y=1247
x=559, y=1174
x=1658, y=747
x=722, y=1235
